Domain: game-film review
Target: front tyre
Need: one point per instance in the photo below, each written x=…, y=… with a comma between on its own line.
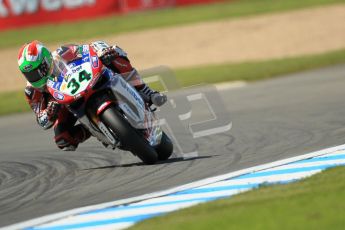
x=128, y=135
x=165, y=148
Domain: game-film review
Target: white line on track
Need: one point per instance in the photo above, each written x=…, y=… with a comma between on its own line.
x=230, y=85
x=207, y=183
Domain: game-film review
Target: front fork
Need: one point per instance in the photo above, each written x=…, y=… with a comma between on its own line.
x=96, y=105
x=102, y=127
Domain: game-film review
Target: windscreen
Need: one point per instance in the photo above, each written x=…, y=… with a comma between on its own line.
x=60, y=68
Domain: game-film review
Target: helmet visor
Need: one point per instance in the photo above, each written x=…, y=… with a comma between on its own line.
x=38, y=73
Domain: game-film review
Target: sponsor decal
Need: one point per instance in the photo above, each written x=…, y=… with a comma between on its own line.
x=86, y=59
x=33, y=6
x=58, y=96
x=72, y=65
x=94, y=61
x=77, y=69
x=28, y=67
x=67, y=76
x=106, y=132
x=50, y=83
x=63, y=86
x=132, y=92
x=57, y=85
x=85, y=49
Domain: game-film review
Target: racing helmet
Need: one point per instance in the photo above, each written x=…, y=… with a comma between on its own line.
x=36, y=63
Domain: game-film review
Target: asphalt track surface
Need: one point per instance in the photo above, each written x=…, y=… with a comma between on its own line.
x=272, y=120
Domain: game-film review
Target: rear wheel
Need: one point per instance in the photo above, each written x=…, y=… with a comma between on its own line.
x=128, y=136
x=165, y=148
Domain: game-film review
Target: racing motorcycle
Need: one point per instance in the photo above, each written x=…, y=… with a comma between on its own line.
x=109, y=107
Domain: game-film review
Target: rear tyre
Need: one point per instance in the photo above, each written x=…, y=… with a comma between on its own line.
x=165, y=148
x=128, y=135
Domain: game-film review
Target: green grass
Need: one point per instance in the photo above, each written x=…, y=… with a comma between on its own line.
x=161, y=18
x=12, y=102
x=253, y=71
x=314, y=203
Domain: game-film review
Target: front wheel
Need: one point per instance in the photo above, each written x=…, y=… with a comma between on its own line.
x=128, y=135
x=165, y=148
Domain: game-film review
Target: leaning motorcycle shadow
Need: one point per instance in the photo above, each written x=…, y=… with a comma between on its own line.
x=169, y=161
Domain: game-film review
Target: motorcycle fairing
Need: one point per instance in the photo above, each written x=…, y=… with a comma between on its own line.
x=74, y=78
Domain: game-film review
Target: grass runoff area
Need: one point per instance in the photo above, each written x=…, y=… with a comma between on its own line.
x=260, y=70
x=152, y=19
x=313, y=203
x=12, y=102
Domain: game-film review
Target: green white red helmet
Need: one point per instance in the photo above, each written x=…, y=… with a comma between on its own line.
x=36, y=63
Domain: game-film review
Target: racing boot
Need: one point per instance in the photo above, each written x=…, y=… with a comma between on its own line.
x=69, y=140
x=69, y=148
x=151, y=97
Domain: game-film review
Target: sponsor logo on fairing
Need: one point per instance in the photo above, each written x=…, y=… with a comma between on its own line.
x=63, y=86
x=57, y=85
x=85, y=49
x=67, y=76
x=77, y=69
x=132, y=92
x=72, y=65
x=106, y=132
x=50, y=83
x=94, y=61
x=58, y=96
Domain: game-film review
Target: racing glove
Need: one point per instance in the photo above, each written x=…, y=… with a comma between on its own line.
x=53, y=109
x=105, y=52
x=47, y=117
x=108, y=55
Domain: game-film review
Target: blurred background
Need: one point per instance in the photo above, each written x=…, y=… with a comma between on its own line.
x=202, y=40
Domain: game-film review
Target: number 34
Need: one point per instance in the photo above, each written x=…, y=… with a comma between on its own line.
x=83, y=75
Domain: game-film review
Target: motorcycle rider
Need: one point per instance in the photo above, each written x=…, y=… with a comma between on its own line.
x=36, y=63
